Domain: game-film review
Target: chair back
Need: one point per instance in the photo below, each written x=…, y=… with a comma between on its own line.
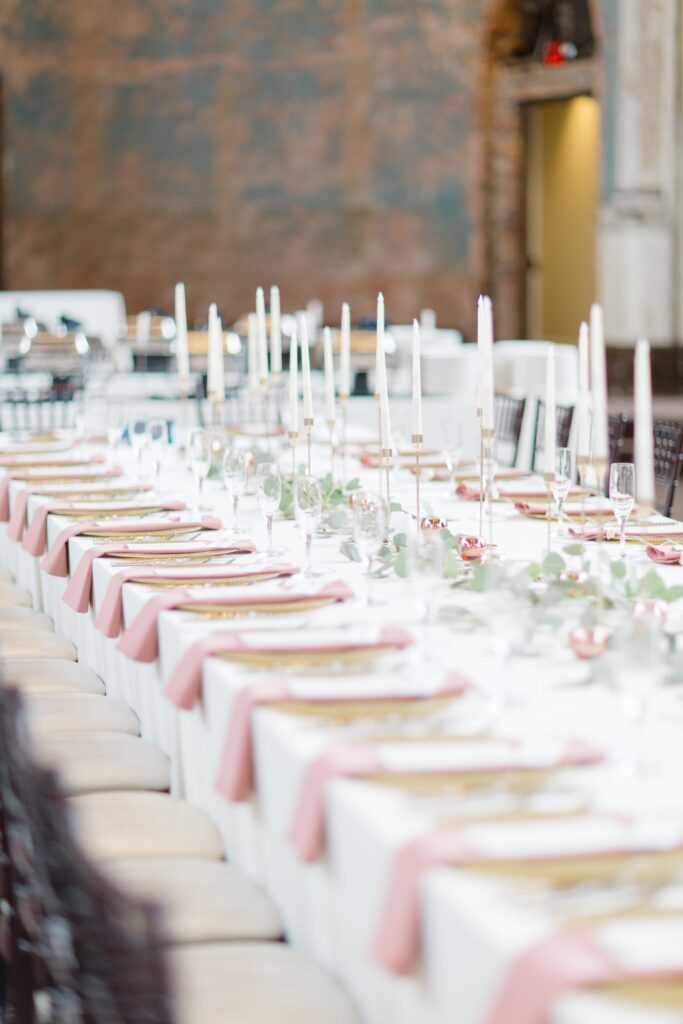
x=509, y=415
x=564, y=414
x=86, y=954
x=620, y=437
x=43, y=409
x=668, y=442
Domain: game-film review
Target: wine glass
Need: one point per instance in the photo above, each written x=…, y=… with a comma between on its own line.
x=157, y=442
x=369, y=527
x=561, y=481
x=137, y=435
x=199, y=458
x=269, y=493
x=424, y=566
x=308, y=510
x=235, y=479
x=451, y=440
x=622, y=493
x=115, y=413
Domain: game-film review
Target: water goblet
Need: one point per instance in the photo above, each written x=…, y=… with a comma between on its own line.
x=199, y=459
x=561, y=482
x=269, y=493
x=157, y=443
x=137, y=435
x=451, y=443
x=308, y=510
x=115, y=420
x=622, y=494
x=369, y=528
x=235, y=479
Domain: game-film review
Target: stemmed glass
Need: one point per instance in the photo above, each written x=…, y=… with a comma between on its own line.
x=451, y=439
x=157, y=442
x=269, y=493
x=199, y=458
x=115, y=421
x=137, y=435
x=562, y=482
x=622, y=493
x=369, y=526
x=308, y=510
x=235, y=479
x=424, y=564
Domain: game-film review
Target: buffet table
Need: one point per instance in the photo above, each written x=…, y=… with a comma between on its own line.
x=474, y=927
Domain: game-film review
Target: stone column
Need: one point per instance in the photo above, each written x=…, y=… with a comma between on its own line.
x=638, y=275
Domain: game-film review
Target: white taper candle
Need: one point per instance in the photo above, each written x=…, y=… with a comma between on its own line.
x=345, y=352
x=182, y=351
x=583, y=438
x=550, y=415
x=293, y=384
x=306, y=368
x=328, y=358
x=252, y=353
x=599, y=386
x=644, y=428
x=417, y=382
x=262, y=337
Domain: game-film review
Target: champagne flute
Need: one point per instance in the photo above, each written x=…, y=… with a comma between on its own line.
x=137, y=435
x=622, y=493
x=269, y=493
x=562, y=482
x=451, y=439
x=369, y=527
x=157, y=441
x=235, y=479
x=308, y=510
x=199, y=458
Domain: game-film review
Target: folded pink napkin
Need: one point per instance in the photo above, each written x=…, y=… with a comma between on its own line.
x=139, y=641
x=43, y=476
x=36, y=535
x=56, y=562
x=17, y=521
x=110, y=616
x=184, y=684
x=77, y=593
x=530, y=508
x=308, y=825
x=235, y=772
x=571, y=960
x=667, y=554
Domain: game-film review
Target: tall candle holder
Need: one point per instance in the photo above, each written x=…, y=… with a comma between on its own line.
x=417, y=440
x=488, y=439
x=293, y=438
x=343, y=404
x=184, y=413
x=549, y=480
x=331, y=426
x=386, y=468
x=582, y=467
x=601, y=471
x=308, y=427
x=480, y=417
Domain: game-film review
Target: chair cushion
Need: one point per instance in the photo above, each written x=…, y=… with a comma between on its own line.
x=27, y=643
x=254, y=983
x=113, y=826
x=76, y=712
x=24, y=618
x=12, y=594
x=87, y=762
x=201, y=900
x=51, y=675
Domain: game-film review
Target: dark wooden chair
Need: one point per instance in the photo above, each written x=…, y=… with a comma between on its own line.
x=564, y=414
x=82, y=952
x=620, y=437
x=668, y=442
x=508, y=415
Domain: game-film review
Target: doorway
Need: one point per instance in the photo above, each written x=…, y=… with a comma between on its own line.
x=562, y=178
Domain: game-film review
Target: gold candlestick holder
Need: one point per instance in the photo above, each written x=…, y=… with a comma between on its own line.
x=417, y=440
x=488, y=440
x=600, y=471
x=549, y=480
x=343, y=404
x=308, y=427
x=332, y=426
x=582, y=467
x=480, y=417
x=385, y=460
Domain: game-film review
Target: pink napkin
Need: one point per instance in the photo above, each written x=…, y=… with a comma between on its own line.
x=597, y=532
x=529, y=508
x=110, y=617
x=36, y=535
x=139, y=641
x=184, y=684
x=235, y=779
x=667, y=554
x=17, y=521
x=29, y=475
x=56, y=563
x=77, y=593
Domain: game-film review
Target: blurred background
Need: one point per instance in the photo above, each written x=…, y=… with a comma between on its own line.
x=525, y=148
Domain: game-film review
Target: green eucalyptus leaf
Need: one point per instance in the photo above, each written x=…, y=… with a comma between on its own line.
x=572, y=549
x=553, y=564
x=618, y=570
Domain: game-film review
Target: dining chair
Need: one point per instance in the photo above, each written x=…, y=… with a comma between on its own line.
x=564, y=415
x=508, y=415
x=620, y=437
x=668, y=443
x=44, y=410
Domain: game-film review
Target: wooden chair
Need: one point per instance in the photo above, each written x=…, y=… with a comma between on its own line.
x=564, y=414
x=620, y=437
x=508, y=414
x=668, y=442
x=45, y=410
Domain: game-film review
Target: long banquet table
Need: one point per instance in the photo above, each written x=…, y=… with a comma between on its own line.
x=473, y=926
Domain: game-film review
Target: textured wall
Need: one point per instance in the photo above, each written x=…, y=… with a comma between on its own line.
x=329, y=145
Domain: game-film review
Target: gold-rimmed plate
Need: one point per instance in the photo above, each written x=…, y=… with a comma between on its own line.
x=233, y=611
x=151, y=537
x=97, y=511
x=307, y=659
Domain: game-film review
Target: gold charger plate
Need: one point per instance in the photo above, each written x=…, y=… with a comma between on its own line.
x=306, y=659
x=109, y=513
x=152, y=537
x=172, y=557
x=208, y=581
x=217, y=611
x=349, y=711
